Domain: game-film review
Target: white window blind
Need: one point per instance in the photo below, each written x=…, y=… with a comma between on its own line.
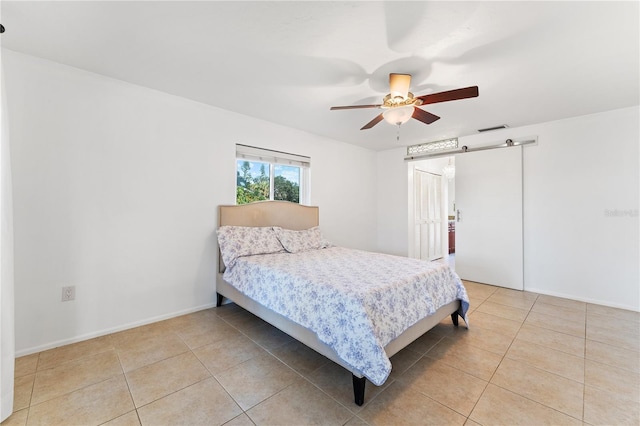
x=252, y=153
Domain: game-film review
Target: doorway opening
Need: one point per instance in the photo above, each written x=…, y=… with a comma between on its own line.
x=431, y=210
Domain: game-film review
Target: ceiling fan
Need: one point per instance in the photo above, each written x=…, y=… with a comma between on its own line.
x=400, y=105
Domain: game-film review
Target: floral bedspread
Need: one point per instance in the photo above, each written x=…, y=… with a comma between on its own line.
x=355, y=301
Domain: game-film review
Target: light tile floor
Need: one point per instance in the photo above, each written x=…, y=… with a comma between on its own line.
x=527, y=359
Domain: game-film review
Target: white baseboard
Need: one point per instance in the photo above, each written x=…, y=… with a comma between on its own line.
x=76, y=339
x=583, y=299
x=6, y=405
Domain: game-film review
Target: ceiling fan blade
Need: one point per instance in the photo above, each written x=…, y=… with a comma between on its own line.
x=354, y=107
x=424, y=116
x=399, y=85
x=373, y=122
x=450, y=95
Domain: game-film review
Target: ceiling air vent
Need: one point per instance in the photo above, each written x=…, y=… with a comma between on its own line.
x=488, y=129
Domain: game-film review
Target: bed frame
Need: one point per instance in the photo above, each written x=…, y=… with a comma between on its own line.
x=298, y=217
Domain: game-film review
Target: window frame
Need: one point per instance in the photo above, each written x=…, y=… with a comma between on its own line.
x=273, y=158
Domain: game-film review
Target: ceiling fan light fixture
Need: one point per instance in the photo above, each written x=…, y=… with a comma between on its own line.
x=449, y=171
x=391, y=101
x=399, y=85
x=398, y=115
x=400, y=105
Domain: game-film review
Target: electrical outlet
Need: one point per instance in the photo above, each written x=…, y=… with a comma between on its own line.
x=68, y=293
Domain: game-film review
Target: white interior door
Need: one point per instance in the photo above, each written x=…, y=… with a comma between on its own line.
x=428, y=215
x=489, y=243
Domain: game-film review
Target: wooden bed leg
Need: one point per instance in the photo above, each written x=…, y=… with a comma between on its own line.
x=358, y=389
x=454, y=318
x=219, y=301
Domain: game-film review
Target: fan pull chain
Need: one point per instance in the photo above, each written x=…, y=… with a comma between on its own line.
x=398, y=135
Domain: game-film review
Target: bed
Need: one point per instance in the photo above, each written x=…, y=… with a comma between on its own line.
x=327, y=297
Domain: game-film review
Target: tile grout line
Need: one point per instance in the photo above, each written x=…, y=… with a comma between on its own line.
x=33, y=386
x=126, y=380
x=35, y=374
x=500, y=363
x=515, y=393
x=212, y=376
x=77, y=389
x=135, y=407
x=488, y=381
x=532, y=400
x=270, y=352
x=467, y=417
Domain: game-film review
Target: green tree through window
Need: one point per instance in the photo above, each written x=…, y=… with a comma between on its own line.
x=253, y=182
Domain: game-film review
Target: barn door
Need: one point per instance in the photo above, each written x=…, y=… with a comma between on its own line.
x=489, y=241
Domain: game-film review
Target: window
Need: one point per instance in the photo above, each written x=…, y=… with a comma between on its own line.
x=263, y=174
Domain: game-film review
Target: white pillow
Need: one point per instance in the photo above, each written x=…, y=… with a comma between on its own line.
x=237, y=241
x=297, y=241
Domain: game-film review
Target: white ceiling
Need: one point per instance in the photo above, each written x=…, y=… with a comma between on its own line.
x=288, y=62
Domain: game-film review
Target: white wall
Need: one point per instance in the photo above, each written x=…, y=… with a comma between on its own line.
x=115, y=191
x=7, y=329
x=581, y=170
x=392, y=202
